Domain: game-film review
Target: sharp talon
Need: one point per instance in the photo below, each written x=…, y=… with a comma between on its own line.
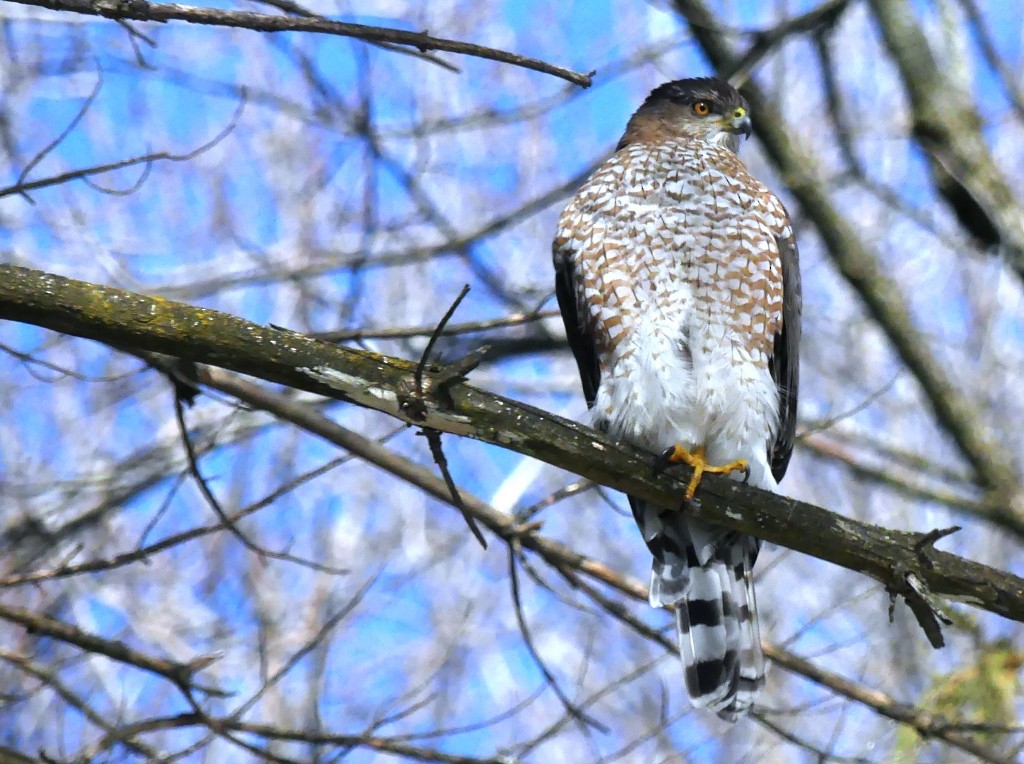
x=664, y=460
x=691, y=487
x=695, y=459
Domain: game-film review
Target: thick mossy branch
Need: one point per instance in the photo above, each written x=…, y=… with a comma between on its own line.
x=904, y=562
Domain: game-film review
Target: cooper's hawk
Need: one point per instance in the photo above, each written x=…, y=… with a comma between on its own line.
x=677, y=277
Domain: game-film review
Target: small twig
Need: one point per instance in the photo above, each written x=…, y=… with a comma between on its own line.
x=357, y=335
x=134, y=36
x=193, y=468
x=928, y=615
x=835, y=419
x=767, y=40
x=433, y=436
x=525, y=529
x=291, y=7
x=571, y=708
x=929, y=538
x=927, y=541
x=434, y=441
x=434, y=336
x=457, y=370
x=20, y=186
x=226, y=521
x=147, y=168
x=526, y=514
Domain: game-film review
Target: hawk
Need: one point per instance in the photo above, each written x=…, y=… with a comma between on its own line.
x=678, y=281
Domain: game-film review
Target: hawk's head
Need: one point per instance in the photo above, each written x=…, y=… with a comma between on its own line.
x=705, y=108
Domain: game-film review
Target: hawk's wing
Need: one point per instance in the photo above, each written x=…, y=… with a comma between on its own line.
x=785, y=361
x=581, y=338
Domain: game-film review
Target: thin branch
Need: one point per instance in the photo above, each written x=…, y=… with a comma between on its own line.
x=292, y=7
x=382, y=744
x=226, y=520
x=405, y=332
x=766, y=41
x=429, y=349
x=571, y=708
x=72, y=699
x=526, y=514
x=141, y=10
x=204, y=488
x=62, y=135
x=23, y=187
x=180, y=674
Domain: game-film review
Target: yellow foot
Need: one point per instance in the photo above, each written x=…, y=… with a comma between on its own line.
x=679, y=455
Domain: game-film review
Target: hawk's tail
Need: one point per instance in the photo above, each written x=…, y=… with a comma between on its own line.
x=706, y=572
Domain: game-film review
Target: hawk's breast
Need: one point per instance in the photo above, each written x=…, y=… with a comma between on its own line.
x=678, y=279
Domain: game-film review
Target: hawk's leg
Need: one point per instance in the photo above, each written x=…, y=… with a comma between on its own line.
x=695, y=459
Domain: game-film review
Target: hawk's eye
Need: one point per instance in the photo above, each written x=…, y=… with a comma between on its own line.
x=701, y=108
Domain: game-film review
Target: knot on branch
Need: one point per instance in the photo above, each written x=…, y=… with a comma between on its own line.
x=431, y=386
x=135, y=9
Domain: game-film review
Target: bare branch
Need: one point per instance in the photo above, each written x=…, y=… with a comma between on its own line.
x=141, y=10
x=181, y=675
x=147, y=160
x=72, y=699
x=404, y=332
x=571, y=708
x=949, y=129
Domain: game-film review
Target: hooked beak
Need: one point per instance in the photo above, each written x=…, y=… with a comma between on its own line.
x=740, y=123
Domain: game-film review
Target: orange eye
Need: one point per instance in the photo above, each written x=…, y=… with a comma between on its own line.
x=702, y=108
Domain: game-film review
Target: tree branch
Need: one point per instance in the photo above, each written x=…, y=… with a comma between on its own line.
x=949, y=129
x=141, y=10
x=180, y=674
x=387, y=384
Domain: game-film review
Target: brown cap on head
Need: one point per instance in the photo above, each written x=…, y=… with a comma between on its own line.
x=703, y=108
